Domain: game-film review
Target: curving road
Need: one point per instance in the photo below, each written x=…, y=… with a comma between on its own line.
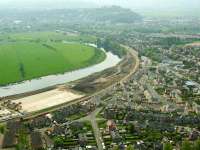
x=132, y=53
x=92, y=117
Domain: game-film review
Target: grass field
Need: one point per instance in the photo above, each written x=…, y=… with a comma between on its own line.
x=46, y=36
x=25, y=57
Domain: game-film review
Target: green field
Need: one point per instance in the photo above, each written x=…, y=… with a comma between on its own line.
x=28, y=56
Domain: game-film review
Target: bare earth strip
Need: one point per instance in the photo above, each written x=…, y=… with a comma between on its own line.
x=46, y=100
x=195, y=44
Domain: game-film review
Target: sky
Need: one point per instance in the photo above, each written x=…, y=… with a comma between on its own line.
x=125, y=3
x=155, y=6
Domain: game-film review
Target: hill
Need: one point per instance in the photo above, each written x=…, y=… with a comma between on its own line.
x=112, y=14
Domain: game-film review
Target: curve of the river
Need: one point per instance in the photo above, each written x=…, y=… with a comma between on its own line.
x=52, y=80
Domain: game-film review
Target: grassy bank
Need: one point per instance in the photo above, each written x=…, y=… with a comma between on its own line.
x=26, y=58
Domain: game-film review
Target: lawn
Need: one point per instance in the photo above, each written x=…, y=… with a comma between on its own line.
x=24, y=59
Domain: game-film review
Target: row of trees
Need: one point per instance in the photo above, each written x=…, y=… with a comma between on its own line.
x=186, y=145
x=153, y=53
x=109, y=45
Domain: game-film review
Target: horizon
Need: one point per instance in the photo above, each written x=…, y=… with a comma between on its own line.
x=145, y=7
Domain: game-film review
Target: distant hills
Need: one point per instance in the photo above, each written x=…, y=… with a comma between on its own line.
x=113, y=14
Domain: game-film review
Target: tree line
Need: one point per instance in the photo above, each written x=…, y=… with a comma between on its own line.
x=112, y=46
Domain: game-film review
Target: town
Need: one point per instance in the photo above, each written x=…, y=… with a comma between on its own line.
x=149, y=101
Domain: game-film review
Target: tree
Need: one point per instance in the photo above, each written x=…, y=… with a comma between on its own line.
x=167, y=146
x=197, y=145
x=116, y=148
x=130, y=147
x=186, y=145
x=58, y=141
x=99, y=43
x=131, y=128
x=2, y=129
x=22, y=71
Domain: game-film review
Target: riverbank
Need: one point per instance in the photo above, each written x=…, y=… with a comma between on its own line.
x=102, y=83
x=23, y=60
x=53, y=80
x=129, y=65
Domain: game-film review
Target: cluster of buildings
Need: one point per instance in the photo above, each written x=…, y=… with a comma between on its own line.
x=158, y=104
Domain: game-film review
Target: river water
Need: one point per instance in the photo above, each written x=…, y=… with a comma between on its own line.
x=52, y=80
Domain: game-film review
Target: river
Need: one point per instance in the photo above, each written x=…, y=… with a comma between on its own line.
x=52, y=80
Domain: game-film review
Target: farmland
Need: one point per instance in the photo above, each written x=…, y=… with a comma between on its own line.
x=32, y=55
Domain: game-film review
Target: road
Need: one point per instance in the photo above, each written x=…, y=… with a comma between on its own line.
x=134, y=54
x=92, y=118
x=131, y=53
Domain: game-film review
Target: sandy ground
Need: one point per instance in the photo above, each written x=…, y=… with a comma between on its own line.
x=46, y=99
